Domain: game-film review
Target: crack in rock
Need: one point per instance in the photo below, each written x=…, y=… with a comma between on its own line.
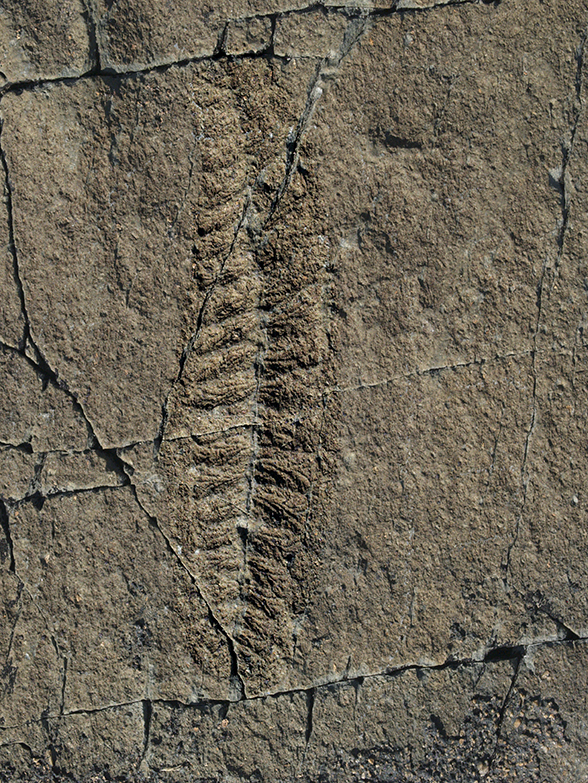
x=294, y=546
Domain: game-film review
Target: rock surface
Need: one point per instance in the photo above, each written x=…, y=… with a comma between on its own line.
x=293, y=476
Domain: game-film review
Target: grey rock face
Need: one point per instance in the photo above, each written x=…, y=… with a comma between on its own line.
x=44, y=39
x=292, y=424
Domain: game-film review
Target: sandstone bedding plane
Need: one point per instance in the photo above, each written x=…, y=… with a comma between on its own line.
x=294, y=391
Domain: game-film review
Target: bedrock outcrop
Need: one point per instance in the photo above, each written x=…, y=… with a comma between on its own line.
x=293, y=355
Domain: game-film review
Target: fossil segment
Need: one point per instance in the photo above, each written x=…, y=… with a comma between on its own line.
x=293, y=401
x=164, y=193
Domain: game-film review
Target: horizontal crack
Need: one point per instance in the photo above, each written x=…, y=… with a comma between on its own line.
x=98, y=71
x=494, y=655
x=430, y=371
x=37, y=496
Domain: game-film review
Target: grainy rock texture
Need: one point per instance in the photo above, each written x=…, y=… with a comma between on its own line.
x=293, y=360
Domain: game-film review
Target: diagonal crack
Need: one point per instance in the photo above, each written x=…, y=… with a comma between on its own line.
x=189, y=347
x=542, y=604
x=326, y=69
x=294, y=141
x=40, y=363
x=38, y=497
x=235, y=676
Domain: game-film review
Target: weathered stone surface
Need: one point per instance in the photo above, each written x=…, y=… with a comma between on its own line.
x=246, y=36
x=318, y=33
x=32, y=669
x=17, y=473
x=63, y=472
x=136, y=34
x=408, y=322
x=43, y=39
x=110, y=741
x=261, y=739
x=97, y=745
x=548, y=563
x=493, y=722
x=106, y=592
x=293, y=412
x=436, y=264
x=429, y=484
x=114, y=151
x=90, y=316
x=11, y=317
x=544, y=726
x=419, y=725
x=35, y=412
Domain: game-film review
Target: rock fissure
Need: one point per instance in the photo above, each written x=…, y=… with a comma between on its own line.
x=63, y=685
x=327, y=69
x=310, y=695
x=235, y=676
x=518, y=658
x=291, y=450
x=565, y=181
x=147, y=716
x=5, y=523
x=512, y=654
x=431, y=371
x=91, y=24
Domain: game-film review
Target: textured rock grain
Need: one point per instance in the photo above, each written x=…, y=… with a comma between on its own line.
x=293, y=411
